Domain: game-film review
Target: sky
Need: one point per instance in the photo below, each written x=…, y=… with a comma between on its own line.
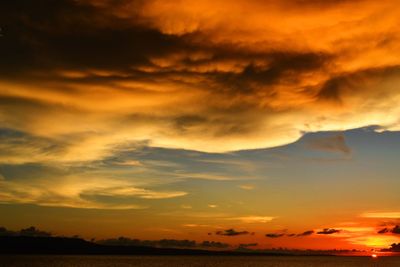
x=274, y=123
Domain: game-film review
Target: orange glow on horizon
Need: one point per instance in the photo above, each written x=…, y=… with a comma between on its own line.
x=254, y=124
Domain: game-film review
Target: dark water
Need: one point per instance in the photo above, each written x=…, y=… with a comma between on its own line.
x=194, y=261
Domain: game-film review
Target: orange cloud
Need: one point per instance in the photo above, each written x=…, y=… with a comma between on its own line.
x=191, y=74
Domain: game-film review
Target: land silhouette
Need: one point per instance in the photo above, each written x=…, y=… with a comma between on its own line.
x=34, y=241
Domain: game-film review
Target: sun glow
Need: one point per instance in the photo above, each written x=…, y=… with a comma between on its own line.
x=374, y=241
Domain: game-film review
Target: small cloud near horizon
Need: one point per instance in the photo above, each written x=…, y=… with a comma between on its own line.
x=274, y=235
x=328, y=231
x=306, y=233
x=232, y=232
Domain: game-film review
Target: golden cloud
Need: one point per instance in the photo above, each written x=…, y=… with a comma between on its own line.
x=382, y=215
x=75, y=192
x=202, y=75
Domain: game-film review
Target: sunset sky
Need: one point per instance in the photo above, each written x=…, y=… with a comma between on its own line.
x=268, y=122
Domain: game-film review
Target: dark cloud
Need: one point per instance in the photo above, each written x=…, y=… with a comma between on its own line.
x=48, y=35
x=274, y=235
x=306, y=233
x=75, y=36
x=328, y=231
x=232, y=232
x=394, y=248
x=396, y=230
x=282, y=65
x=383, y=231
x=331, y=89
x=338, y=88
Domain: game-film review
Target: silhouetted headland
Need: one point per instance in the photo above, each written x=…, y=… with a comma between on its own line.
x=68, y=245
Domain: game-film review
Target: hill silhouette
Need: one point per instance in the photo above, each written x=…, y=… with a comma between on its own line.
x=68, y=245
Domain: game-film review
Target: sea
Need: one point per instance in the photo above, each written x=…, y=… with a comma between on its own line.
x=194, y=261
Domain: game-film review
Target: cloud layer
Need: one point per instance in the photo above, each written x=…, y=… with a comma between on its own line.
x=178, y=106
x=192, y=75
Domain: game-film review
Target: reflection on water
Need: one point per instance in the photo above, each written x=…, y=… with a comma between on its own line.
x=194, y=261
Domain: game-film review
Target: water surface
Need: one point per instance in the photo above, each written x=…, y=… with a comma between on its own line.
x=193, y=261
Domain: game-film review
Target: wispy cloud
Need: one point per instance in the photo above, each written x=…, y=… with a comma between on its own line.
x=130, y=163
x=253, y=219
x=194, y=225
x=133, y=192
x=246, y=186
x=382, y=215
x=73, y=192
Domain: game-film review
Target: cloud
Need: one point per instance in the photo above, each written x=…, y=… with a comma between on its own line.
x=394, y=247
x=133, y=191
x=196, y=225
x=253, y=219
x=275, y=235
x=396, y=230
x=383, y=231
x=183, y=76
x=130, y=163
x=306, y=233
x=18, y=147
x=86, y=84
x=334, y=143
x=383, y=215
x=246, y=187
x=328, y=231
x=231, y=232
x=49, y=186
